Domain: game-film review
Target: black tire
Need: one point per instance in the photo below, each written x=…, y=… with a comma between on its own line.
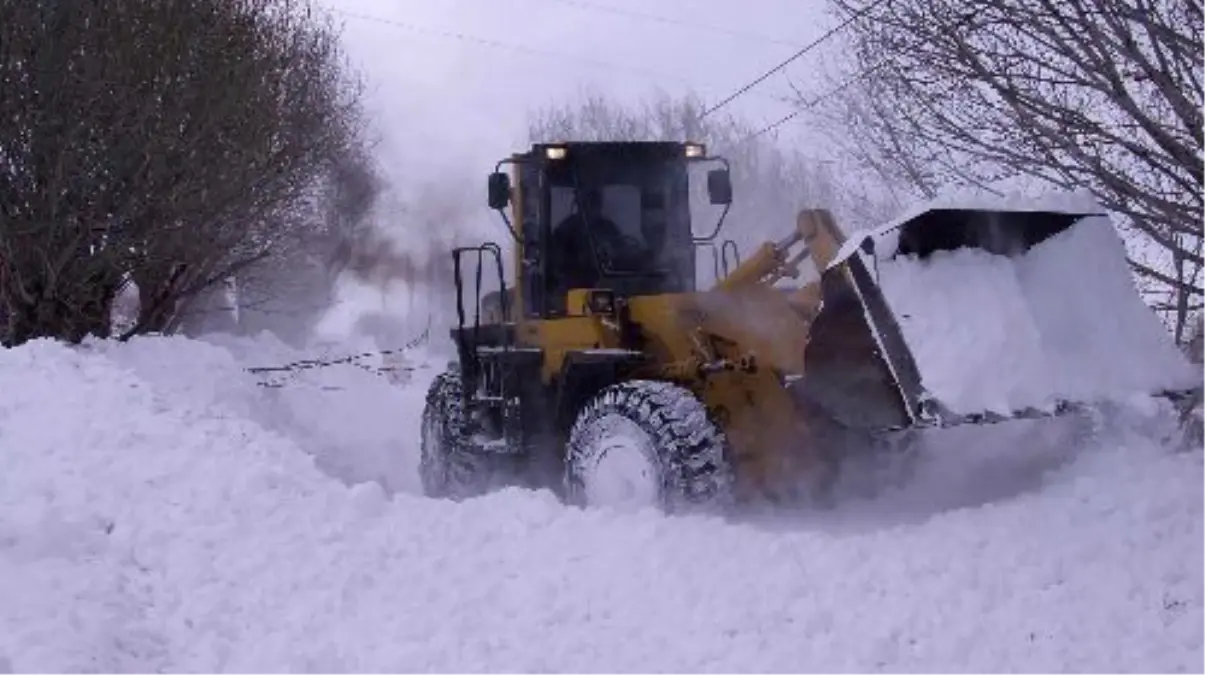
x=449, y=466
x=688, y=455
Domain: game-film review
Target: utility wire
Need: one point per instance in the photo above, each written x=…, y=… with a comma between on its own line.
x=807, y=48
x=644, y=16
x=497, y=44
x=521, y=49
x=816, y=101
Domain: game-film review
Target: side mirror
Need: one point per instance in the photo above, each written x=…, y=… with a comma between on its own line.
x=719, y=187
x=499, y=190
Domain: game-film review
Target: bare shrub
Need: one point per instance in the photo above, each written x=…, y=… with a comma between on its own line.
x=169, y=143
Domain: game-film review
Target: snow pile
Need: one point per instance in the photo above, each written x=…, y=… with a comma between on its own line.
x=1062, y=322
x=151, y=521
x=375, y=417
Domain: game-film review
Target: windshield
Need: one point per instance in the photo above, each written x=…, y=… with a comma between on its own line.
x=622, y=219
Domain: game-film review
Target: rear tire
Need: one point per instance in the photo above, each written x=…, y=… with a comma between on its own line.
x=647, y=443
x=449, y=466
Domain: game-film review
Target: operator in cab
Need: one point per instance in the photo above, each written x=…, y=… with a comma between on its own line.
x=584, y=242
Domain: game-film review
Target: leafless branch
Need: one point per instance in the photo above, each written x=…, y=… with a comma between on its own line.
x=1103, y=94
x=171, y=143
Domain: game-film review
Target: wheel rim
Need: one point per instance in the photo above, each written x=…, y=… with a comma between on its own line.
x=621, y=473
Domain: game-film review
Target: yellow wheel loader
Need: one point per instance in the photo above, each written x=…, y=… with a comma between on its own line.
x=599, y=369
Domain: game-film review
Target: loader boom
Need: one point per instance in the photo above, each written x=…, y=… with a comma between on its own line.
x=775, y=261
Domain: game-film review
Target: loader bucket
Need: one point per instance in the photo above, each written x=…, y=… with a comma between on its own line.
x=850, y=378
x=1014, y=313
x=953, y=316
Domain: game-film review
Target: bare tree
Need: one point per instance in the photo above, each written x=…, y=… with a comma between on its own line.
x=288, y=291
x=58, y=182
x=295, y=111
x=170, y=143
x=1104, y=94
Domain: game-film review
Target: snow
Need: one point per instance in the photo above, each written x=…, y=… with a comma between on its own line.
x=160, y=512
x=603, y=351
x=365, y=445
x=1064, y=324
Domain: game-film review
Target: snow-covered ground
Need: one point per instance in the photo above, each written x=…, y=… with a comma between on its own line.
x=160, y=512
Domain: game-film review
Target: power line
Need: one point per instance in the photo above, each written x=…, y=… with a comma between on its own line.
x=497, y=44
x=816, y=101
x=633, y=14
x=807, y=48
x=520, y=49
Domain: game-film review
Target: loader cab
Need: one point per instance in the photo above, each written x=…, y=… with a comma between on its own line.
x=611, y=215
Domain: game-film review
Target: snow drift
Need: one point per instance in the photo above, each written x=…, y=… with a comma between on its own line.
x=154, y=517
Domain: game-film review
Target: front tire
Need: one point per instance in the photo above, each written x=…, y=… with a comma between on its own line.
x=647, y=443
x=449, y=467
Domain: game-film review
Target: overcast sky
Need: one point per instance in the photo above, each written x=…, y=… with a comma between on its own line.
x=461, y=76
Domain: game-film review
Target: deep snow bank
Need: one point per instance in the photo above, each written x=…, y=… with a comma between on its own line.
x=148, y=521
x=356, y=424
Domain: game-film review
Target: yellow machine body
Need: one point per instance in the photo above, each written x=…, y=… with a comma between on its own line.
x=734, y=345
